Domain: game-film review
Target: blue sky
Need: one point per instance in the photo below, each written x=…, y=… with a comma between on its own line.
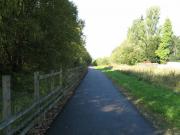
x=107, y=21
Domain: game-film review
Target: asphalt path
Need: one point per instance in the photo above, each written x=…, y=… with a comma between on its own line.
x=99, y=108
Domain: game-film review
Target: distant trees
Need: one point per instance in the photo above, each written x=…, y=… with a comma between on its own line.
x=147, y=41
x=144, y=33
x=101, y=61
x=40, y=35
x=175, y=51
x=126, y=53
x=166, y=44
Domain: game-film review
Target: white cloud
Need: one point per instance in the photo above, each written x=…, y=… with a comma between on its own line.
x=107, y=21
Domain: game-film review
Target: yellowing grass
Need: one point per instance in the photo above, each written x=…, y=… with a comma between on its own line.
x=168, y=77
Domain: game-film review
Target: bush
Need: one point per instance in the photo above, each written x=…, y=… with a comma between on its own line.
x=102, y=61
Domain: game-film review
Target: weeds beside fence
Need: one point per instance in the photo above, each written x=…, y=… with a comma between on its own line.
x=21, y=105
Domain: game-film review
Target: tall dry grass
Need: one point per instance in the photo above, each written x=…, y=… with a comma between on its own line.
x=168, y=77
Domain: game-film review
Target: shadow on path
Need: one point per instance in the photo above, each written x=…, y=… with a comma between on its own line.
x=98, y=108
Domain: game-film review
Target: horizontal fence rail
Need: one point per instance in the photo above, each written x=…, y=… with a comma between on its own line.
x=59, y=85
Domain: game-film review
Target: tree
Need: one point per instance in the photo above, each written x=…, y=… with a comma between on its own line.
x=39, y=35
x=165, y=46
x=102, y=61
x=127, y=53
x=175, y=50
x=152, y=33
x=136, y=33
x=145, y=33
x=152, y=20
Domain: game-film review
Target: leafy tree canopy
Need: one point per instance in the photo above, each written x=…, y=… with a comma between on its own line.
x=40, y=35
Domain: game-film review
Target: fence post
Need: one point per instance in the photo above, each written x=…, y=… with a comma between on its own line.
x=60, y=78
x=37, y=93
x=79, y=73
x=52, y=81
x=6, y=87
x=36, y=86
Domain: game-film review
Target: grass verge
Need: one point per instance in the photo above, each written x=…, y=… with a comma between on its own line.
x=160, y=104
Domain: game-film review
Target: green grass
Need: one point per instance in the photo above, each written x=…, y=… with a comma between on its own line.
x=22, y=91
x=161, y=103
x=167, y=77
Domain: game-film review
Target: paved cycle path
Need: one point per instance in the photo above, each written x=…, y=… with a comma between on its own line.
x=98, y=108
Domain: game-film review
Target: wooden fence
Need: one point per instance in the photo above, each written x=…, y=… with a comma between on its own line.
x=21, y=122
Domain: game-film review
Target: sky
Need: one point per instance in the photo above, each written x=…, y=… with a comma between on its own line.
x=107, y=21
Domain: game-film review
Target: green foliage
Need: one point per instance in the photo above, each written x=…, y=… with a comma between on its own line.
x=175, y=50
x=164, y=48
x=102, y=61
x=147, y=41
x=38, y=35
x=152, y=33
x=94, y=63
x=142, y=40
x=127, y=53
x=136, y=33
x=145, y=33
x=152, y=20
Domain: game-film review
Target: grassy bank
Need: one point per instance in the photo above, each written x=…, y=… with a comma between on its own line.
x=166, y=77
x=160, y=103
